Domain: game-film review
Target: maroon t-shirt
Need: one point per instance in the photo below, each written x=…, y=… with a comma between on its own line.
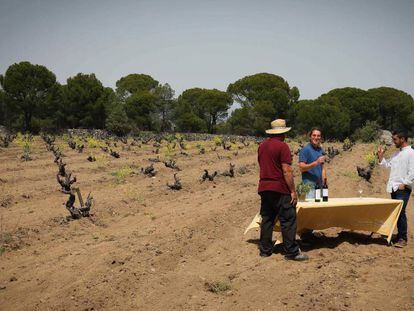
x=271, y=154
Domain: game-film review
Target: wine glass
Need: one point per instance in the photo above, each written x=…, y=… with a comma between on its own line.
x=360, y=192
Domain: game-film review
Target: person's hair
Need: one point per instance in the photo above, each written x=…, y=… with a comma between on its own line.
x=314, y=129
x=400, y=134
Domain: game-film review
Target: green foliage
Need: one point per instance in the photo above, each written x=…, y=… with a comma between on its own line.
x=359, y=104
x=118, y=122
x=139, y=107
x=347, y=143
x=179, y=137
x=217, y=140
x=263, y=97
x=28, y=90
x=134, y=83
x=371, y=159
x=164, y=107
x=169, y=138
x=241, y=120
x=263, y=114
x=32, y=100
x=396, y=108
x=368, y=133
x=201, y=109
x=168, y=151
x=85, y=101
x=261, y=86
x=303, y=188
x=324, y=112
x=25, y=142
x=95, y=143
x=3, y=108
x=122, y=173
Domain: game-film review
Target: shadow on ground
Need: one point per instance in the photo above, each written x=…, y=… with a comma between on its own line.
x=322, y=241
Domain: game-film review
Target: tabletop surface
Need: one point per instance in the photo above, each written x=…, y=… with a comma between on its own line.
x=349, y=202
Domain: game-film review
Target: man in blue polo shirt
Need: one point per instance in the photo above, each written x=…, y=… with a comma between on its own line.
x=311, y=160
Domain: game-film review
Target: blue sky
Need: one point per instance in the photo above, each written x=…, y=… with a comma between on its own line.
x=314, y=45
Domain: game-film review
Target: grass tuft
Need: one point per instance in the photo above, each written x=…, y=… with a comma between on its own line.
x=218, y=286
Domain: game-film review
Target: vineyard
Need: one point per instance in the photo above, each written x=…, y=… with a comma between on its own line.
x=95, y=222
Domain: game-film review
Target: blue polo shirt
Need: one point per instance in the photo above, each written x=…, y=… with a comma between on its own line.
x=309, y=154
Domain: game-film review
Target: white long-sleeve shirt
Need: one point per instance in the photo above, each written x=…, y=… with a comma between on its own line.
x=402, y=169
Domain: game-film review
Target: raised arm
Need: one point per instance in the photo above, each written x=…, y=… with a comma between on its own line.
x=303, y=166
x=381, y=160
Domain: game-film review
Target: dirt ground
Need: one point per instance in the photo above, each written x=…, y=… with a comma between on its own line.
x=147, y=247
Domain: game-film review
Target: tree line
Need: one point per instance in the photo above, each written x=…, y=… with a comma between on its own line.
x=31, y=99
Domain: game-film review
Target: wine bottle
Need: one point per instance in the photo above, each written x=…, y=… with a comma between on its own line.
x=325, y=191
x=317, y=192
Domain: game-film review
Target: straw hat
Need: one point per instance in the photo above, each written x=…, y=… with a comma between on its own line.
x=278, y=127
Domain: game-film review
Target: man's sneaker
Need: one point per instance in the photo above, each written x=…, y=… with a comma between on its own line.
x=299, y=257
x=400, y=243
x=265, y=255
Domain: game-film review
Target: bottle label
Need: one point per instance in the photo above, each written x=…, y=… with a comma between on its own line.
x=318, y=194
x=325, y=192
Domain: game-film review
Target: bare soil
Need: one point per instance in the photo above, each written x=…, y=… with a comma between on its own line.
x=147, y=247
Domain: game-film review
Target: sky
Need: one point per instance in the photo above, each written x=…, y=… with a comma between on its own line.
x=314, y=45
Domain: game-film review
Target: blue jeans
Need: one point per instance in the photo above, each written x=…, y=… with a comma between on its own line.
x=402, y=220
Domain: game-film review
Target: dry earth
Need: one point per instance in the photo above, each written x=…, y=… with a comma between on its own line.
x=147, y=247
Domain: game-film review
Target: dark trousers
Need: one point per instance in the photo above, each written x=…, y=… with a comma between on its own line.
x=402, y=220
x=275, y=205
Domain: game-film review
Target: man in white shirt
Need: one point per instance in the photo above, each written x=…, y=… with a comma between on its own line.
x=400, y=182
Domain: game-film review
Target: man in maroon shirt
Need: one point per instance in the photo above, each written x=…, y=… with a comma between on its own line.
x=277, y=192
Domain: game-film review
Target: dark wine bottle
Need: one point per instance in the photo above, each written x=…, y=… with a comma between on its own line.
x=325, y=191
x=317, y=192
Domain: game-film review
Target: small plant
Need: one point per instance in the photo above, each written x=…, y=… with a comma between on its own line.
x=101, y=161
x=217, y=140
x=26, y=151
x=122, y=173
x=352, y=175
x=207, y=176
x=95, y=143
x=371, y=159
x=348, y=144
x=365, y=172
x=230, y=172
x=149, y=170
x=25, y=142
x=179, y=137
x=65, y=137
x=168, y=150
x=176, y=185
x=302, y=189
x=368, y=133
x=19, y=140
x=133, y=194
x=201, y=149
x=169, y=138
x=218, y=287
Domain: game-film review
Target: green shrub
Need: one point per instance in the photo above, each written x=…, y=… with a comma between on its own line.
x=117, y=121
x=217, y=140
x=218, y=287
x=303, y=189
x=371, y=159
x=367, y=133
x=122, y=173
